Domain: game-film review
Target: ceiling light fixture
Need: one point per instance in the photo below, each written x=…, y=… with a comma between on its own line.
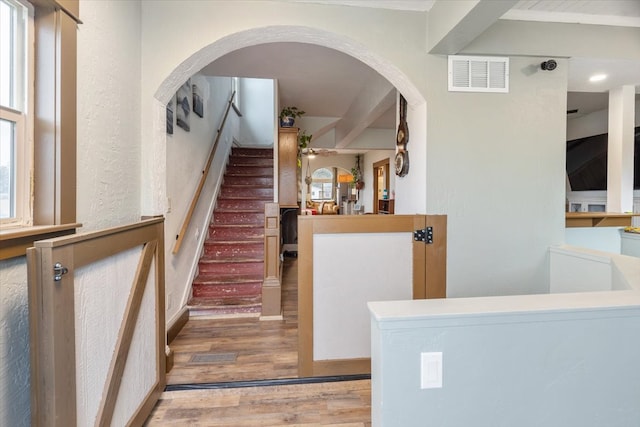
x=597, y=78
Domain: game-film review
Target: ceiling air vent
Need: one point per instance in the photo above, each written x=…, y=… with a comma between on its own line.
x=478, y=74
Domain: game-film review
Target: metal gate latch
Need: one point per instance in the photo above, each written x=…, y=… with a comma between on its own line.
x=424, y=235
x=58, y=271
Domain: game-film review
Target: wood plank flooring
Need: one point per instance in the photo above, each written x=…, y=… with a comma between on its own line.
x=343, y=404
x=245, y=348
x=241, y=348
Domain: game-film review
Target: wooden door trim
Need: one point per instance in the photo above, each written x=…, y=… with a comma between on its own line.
x=376, y=165
x=308, y=226
x=436, y=258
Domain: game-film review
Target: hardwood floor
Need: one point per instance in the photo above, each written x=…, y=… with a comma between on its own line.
x=241, y=348
x=245, y=348
x=344, y=404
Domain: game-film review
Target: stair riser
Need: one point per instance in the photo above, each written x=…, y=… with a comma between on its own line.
x=235, y=233
x=249, y=171
x=224, y=286
x=246, y=192
x=230, y=290
x=250, y=161
x=249, y=180
x=240, y=204
x=252, y=152
x=228, y=268
x=247, y=250
x=221, y=218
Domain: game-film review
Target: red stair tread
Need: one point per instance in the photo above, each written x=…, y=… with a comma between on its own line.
x=231, y=270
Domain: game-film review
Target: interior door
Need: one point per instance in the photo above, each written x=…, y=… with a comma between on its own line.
x=97, y=326
x=347, y=260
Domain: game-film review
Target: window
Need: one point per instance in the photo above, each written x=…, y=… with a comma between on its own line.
x=14, y=107
x=322, y=184
x=38, y=133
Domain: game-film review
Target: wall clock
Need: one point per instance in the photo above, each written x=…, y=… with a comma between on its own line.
x=402, y=139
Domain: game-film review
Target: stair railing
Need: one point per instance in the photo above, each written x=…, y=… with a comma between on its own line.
x=203, y=179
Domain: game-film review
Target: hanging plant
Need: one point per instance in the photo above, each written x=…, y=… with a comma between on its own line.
x=304, y=141
x=357, y=174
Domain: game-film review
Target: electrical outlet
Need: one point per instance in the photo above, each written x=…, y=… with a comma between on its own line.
x=168, y=204
x=169, y=300
x=431, y=370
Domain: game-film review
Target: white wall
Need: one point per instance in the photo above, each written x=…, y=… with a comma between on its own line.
x=595, y=123
x=108, y=172
x=108, y=150
x=496, y=167
x=212, y=32
x=258, y=115
x=187, y=154
x=527, y=361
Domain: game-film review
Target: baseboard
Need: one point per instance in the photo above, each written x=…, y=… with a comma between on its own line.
x=274, y=317
x=178, y=324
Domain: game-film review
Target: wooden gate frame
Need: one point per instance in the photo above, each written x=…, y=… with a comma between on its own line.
x=431, y=258
x=52, y=320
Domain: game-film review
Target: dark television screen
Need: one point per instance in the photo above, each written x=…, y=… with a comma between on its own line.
x=587, y=162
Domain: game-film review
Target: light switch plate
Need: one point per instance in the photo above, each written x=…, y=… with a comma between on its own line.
x=431, y=370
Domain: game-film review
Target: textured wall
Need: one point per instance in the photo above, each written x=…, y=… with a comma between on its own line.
x=14, y=343
x=496, y=167
x=186, y=158
x=109, y=79
x=108, y=172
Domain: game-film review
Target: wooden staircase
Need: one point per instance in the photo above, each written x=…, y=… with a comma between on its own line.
x=231, y=270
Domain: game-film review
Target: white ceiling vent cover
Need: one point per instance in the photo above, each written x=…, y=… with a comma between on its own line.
x=478, y=74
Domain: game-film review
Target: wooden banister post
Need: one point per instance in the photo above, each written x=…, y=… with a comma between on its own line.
x=272, y=284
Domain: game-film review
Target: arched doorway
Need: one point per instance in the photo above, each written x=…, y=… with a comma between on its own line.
x=232, y=42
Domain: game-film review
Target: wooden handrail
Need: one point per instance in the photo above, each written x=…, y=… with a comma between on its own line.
x=203, y=179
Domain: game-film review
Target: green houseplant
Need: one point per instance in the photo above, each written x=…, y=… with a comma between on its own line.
x=304, y=141
x=288, y=116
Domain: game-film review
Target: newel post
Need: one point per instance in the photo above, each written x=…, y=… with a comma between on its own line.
x=272, y=284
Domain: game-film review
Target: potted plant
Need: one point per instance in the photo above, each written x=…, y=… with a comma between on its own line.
x=288, y=116
x=304, y=141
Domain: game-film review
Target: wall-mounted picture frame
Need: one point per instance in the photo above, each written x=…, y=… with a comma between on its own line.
x=183, y=105
x=170, y=109
x=198, y=102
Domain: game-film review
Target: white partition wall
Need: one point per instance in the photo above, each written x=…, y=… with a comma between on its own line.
x=349, y=271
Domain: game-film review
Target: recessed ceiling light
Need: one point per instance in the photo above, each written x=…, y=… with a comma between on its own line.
x=597, y=78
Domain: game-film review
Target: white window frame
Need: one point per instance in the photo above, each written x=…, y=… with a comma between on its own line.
x=22, y=117
x=323, y=182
